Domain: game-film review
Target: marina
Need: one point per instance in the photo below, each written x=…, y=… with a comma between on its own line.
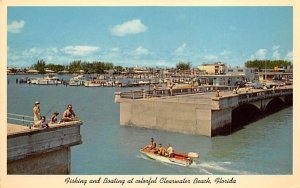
x=246, y=151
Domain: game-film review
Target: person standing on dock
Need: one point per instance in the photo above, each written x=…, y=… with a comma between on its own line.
x=36, y=112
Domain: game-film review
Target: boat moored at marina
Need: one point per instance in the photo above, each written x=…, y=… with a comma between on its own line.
x=50, y=79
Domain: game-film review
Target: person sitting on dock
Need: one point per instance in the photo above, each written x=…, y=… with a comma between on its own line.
x=68, y=114
x=53, y=118
x=41, y=123
x=161, y=150
x=36, y=112
x=170, y=151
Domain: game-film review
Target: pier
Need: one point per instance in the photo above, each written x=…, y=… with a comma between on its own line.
x=41, y=150
x=197, y=110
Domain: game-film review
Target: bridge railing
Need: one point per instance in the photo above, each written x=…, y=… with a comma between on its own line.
x=253, y=96
x=139, y=94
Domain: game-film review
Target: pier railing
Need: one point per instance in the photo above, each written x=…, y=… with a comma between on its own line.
x=139, y=94
x=20, y=119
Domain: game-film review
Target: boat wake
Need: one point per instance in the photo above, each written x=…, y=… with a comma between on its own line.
x=212, y=168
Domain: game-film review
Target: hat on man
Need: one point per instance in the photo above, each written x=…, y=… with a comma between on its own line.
x=37, y=102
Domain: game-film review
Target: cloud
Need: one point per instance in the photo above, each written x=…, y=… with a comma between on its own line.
x=275, y=47
x=289, y=56
x=16, y=26
x=139, y=51
x=79, y=50
x=276, y=55
x=210, y=57
x=259, y=54
x=130, y=27
x=225, y=53
x=181, y=49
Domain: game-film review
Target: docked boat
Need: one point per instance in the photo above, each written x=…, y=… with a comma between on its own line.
x=50, y=79
x=77, y=80
x=178, y=158
x=94, y=83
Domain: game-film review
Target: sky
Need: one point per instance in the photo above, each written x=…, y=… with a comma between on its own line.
x=148, y=36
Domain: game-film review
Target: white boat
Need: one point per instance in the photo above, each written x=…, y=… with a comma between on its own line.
x=177, y=158
x=77, y=80
x=94, y=83
x=50, y=79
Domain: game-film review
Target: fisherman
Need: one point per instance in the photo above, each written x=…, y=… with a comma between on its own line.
x=68, y=114
x=161, y=150
x=41, y=123
x=36, y=112
x=53, y=118
x=170, y=151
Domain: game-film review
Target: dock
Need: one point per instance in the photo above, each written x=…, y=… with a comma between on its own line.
x=197, y=110
x=41, y=150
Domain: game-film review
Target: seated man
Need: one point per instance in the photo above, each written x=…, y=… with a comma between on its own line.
x=152, y=145
x=41, y=123
x=161, y=150
x=68, y=114
x=170, y=151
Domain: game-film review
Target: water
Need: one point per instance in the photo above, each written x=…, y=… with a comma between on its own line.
x=262, y=147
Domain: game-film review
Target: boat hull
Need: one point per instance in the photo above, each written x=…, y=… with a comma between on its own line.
x=177, y=160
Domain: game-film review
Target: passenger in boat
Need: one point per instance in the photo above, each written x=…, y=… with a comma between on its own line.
x=36, y=112
x=170, y=151
x=41, y=123
x=152, y=145
x=68, y=114
x=161, y=150
x=53, y=118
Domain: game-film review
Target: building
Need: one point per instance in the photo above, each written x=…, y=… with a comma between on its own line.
x=248, y=73
x=215, y=68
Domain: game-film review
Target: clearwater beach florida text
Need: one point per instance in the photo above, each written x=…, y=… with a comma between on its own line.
x=150, y=180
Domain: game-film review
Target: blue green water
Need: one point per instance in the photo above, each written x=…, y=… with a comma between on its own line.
x=262, y=147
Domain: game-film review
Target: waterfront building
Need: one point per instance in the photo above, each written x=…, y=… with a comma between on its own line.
x=215, y=68
x=248, y=73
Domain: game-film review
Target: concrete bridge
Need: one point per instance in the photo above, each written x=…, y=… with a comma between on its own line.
x=198, y=110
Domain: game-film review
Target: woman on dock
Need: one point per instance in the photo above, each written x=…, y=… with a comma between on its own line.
x=36, y=112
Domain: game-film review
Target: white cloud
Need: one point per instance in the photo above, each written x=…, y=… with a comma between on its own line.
x=16, y=26
x=79, y=50
x=139, y=51
x=130, y=27
x=225, y=53
x=289, y=56
x=181, y=49
x=259, y=54
x=276, y=55
x=275, y=47
x=210, y=57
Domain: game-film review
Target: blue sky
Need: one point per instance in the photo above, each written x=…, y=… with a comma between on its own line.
x=148, y=36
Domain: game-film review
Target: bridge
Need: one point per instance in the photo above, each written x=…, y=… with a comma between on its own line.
x=198, y=110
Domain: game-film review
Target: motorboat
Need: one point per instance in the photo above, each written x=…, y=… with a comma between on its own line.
x=177, y=158
x=77, y=80
x=94, y=83
x=50, y=79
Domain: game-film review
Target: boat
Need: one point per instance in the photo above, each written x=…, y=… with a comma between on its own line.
x=77, y=80
x=50, y=79
x=178, y=158
x=94, y=83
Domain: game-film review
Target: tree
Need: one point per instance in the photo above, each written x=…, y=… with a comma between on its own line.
x=269, y=64
x=55, y=68
x=184, y=66
x=40, y=66
x=75, y=66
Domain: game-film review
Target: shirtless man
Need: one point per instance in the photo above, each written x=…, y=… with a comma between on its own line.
x=68, y=114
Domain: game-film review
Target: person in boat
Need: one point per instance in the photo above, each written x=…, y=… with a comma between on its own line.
x=68, y=114
x=36, y=112
x=53, y=118
x=161, y=150
x=41, y=123
x=152, y=145
x=170, y=151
